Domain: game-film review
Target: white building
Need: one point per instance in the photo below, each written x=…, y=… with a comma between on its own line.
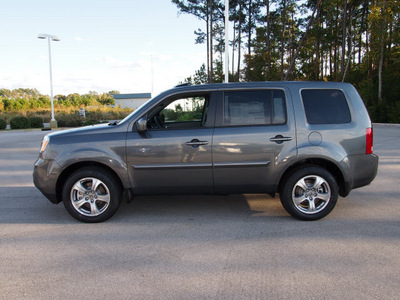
x=131, y=100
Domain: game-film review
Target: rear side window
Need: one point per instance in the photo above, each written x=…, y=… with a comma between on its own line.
x=265, y=107
x=325, y=106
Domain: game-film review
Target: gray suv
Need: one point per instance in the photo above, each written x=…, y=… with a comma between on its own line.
x=308, y=141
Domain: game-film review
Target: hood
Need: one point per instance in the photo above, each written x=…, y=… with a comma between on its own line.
x=83, y=130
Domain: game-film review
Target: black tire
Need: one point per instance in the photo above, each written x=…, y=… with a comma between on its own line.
x=87, y=204
x=309, y=193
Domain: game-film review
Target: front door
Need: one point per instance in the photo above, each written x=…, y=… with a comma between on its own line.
x=174, y=154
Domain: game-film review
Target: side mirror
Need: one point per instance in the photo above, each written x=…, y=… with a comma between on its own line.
x=141, y=125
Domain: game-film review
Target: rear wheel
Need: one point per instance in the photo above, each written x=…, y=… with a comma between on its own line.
x=91, y=195
x=309, y=193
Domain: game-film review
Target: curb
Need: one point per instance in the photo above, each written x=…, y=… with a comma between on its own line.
x=386, y=124
x=32, y=129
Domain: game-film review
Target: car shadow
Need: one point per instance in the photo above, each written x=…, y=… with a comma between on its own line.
x=201, y=206
x=187, y=216
x=28, y=205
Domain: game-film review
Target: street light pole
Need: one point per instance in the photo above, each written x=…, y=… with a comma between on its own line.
x=227, y=41
x=53, y=122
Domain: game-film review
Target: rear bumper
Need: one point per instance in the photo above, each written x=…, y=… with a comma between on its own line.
x=363, y=169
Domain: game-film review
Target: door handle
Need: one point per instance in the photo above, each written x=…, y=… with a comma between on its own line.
x=279, y=139
x=196, y=143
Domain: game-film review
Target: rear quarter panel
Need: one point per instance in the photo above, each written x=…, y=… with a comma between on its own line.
x=342, y=144
x=337, y=140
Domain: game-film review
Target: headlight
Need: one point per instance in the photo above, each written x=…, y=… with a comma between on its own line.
x=45, y=142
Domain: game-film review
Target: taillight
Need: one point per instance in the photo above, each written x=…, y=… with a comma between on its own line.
x=369, y=141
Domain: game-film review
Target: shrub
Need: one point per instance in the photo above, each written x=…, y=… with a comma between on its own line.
x=45, y=115
x=90, y=122
x=36, y=122
x=74, y=123
x=69, y=120
x=20, y=122
x=3, y=124
x=65, y=122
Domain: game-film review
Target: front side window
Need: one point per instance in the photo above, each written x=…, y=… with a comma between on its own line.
x=182, y=112
x=325, y=106
x=265, y=107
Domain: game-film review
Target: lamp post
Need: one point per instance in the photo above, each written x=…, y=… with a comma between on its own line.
x=227, y=41
x=53, y=122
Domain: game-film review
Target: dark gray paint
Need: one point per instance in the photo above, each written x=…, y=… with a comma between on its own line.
x=229, y=159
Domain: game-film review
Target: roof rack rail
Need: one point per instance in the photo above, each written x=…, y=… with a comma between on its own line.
x=183, y=84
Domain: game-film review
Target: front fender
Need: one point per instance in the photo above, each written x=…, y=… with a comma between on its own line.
x=101, y=156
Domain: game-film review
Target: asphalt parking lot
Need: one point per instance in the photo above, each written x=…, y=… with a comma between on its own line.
x=198, y=247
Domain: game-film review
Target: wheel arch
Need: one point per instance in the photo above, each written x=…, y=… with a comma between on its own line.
x=328, y=165
x=74, y=167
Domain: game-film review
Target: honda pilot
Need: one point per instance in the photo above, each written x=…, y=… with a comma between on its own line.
x=309, y=142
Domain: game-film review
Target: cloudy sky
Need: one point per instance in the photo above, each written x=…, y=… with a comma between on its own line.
x=127, y=45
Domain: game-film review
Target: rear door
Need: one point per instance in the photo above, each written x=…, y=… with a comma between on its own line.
x=253, y=139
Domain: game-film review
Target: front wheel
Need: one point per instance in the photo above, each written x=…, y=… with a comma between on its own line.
x=91, y=195
x=309, y=193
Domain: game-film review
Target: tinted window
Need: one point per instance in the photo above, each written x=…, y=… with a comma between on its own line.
x=254, y=108
x=184, y=110
x=180, y=113
x=325, y=107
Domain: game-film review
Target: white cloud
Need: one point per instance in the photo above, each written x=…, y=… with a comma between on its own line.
x=109, y=72
x=163, y=57
x=147, y=53
x=78, y=39
x=160, y=57
x=113, y=62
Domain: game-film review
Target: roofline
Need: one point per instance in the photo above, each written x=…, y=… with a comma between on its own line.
x=255, y=84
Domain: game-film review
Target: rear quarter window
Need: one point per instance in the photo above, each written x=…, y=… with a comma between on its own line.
x=325, y=106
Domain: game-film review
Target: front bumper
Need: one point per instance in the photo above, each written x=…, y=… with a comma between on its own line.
x=45, y=179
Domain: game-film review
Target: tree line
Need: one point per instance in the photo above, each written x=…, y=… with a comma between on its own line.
x=31, y=99
x=356, y=41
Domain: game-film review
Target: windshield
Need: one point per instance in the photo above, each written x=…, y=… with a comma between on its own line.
x=134, y=112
